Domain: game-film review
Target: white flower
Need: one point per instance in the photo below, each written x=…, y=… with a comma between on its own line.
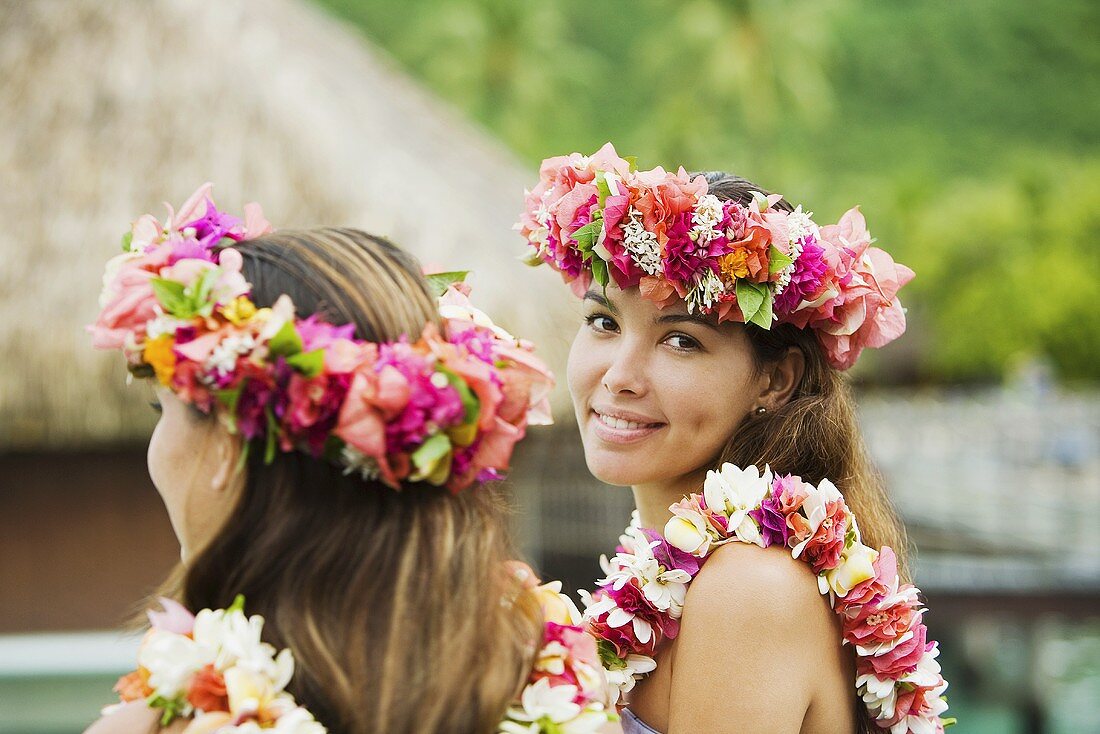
x=705, y=218
x=706, y=292
x=223, y=357
x=664, y=588
x=735, y=493
x=641, y=243
x=356, y=461
x=688, y=531
x=800, y=226
x=172, y=660
x=856, y=566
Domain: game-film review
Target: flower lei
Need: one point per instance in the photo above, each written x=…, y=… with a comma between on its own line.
x=212, y=668
x=567, y=691
x=446, y=409
x=599, y=219
x=640, y=601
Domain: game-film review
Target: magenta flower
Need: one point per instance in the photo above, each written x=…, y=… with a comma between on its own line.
x=212, y=226
x=684, y=258
x=809, y=274
x=773, y=524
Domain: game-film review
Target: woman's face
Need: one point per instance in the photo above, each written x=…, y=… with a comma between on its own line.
x=192, y=462
x=657, y=393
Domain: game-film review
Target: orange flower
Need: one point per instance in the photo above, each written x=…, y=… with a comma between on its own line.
x=208, y=691
x=749, y=258
x=134, y=686
x=158, y=354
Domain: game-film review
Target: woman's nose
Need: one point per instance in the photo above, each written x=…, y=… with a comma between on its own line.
x=625, y=375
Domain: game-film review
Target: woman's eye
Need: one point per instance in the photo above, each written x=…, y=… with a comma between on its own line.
x=683, y=342
x=599, y=322
x=155, y=405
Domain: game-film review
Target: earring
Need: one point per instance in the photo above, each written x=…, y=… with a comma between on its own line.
x=760, y=411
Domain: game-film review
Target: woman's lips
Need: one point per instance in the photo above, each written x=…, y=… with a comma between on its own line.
x=622, y=428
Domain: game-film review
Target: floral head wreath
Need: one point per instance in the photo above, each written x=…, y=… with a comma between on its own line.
x=597, y=218
x=446, y=409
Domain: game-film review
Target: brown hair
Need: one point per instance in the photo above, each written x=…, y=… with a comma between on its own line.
x=391, y=601
x=816, y=436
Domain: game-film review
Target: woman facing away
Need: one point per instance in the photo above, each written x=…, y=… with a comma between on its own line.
x=707, y=377
x=327, y=434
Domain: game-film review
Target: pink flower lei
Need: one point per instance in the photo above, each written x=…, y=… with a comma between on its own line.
x=640, y=601
x=598, y=219
x=446, y=409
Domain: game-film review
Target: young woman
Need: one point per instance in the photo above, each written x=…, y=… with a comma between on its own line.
x=326, y=433
x=707, y=377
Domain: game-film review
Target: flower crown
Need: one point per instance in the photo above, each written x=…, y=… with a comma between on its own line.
x=599, y=219
x=446, y=409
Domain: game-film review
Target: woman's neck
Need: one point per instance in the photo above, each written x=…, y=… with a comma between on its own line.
x=652, y=500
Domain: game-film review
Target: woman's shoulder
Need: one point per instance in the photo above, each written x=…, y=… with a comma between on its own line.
x=750, y=582
x=134, y=717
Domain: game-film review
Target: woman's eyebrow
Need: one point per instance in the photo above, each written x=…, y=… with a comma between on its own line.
x=601, y=299
x=686, y=318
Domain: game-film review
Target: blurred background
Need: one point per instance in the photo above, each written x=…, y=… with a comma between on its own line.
x=967, y=132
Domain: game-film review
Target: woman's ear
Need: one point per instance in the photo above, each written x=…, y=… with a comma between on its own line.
x=784, y=377
x=227, y=474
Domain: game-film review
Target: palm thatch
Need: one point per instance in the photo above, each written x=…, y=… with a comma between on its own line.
x=108, y=107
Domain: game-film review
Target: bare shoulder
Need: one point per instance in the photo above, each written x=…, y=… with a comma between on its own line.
x=753, y=622
x=134, y=717
x=746, y=584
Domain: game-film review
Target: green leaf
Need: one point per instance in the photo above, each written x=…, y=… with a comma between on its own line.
x=777, y=260
x=470, y=403
x=440, y=282
x=763, y=317
x=286, y=341
x=237, y=605
x=603, y=188
x=599, y=272
x=228, y=400
x=271, y=443
x=427, y=458
x=608, y=656
x=127, y=240
x=199, y=294
x=171, y=296
x=750, y=298
x=309, y=364
x=585, y=236
x=533, y=258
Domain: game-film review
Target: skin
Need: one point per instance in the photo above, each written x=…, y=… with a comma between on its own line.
x=198, y=494
x=193, y=464
x=753, y=622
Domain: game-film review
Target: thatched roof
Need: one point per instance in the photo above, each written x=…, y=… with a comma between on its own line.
x=109, y=107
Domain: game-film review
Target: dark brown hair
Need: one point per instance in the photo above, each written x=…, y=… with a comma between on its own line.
x=391, y=601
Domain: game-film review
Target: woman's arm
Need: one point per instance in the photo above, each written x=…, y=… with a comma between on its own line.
x=750, y=644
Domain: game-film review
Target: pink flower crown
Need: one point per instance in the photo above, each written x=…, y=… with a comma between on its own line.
x=599, y=219
x=446, y=409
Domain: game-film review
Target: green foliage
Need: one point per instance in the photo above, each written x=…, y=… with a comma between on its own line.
x=966, y=130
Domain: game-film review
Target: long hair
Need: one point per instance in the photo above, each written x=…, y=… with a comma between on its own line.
x=816, y=434
x=391, y=601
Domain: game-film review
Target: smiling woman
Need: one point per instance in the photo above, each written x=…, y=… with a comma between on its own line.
x=717, y=322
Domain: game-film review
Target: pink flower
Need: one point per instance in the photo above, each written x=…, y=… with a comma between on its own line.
x=361, y=422
x=128, y=301
x=872, y=624
x=175, y=617
x=922, y=703
x=207, y=691
x=824, y=545
x=900, y=660
x=884, y=580
x=662, y=196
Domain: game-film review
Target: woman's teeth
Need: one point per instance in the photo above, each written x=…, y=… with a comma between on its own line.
x=619, y=423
